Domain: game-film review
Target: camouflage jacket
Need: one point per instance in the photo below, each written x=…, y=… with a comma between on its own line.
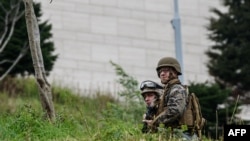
x=172, y=104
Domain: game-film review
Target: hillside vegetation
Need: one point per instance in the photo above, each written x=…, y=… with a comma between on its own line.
x=100, y=117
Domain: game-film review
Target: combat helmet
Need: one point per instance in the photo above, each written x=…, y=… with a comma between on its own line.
x=150, y=86
x=168, y=62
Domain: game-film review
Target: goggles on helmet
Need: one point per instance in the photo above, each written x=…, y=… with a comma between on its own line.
x=150, y=84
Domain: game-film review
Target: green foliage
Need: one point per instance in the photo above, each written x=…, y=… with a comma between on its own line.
x=130, y=93
x=78, y=118
x=16, y=87
x=114, y=122
x=129, y=83
x=27, y=124
x=229, y=62
x=29, y=86
x=114, y=127
x=63, y=96
x=19, y=39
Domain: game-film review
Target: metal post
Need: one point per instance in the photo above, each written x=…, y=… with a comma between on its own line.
x=178, y=43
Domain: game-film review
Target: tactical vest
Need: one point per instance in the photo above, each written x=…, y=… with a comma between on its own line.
x=192, y=116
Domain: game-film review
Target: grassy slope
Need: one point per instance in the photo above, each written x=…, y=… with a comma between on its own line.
x=78, y=118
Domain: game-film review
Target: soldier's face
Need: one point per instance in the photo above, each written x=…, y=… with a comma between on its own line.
x=164, y=74
x=150, y=99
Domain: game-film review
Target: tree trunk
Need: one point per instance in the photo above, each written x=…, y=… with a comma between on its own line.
x=34, y=42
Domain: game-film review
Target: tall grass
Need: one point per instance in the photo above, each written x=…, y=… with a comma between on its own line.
x=78, y=118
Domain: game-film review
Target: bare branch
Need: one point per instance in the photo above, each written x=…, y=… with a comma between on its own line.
x=4, y=40
x=4, y=32
x=22, y=53
x=5, y=61
x=21, y=13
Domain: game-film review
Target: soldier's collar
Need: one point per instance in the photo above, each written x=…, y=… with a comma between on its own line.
x=172, y=82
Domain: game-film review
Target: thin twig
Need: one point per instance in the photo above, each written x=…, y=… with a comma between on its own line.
x=235, y=108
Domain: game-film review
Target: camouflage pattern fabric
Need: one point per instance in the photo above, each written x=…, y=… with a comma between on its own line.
x=172, y=104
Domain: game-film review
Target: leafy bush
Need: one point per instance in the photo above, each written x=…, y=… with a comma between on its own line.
x=133, y=103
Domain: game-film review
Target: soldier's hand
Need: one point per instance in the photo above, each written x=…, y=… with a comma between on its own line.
x=149, y=122
x=144, y=116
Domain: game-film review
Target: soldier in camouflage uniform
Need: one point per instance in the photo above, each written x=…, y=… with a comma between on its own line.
x=174, y=99
x=151, y=92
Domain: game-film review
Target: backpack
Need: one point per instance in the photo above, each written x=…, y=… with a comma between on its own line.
x=192, y=116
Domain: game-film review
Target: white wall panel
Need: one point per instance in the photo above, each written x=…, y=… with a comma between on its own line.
x=132, y=33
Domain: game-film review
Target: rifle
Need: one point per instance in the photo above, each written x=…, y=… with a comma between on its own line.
x=149, y=115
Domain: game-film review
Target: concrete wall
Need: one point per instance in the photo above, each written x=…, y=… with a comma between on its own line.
x=132, y=33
